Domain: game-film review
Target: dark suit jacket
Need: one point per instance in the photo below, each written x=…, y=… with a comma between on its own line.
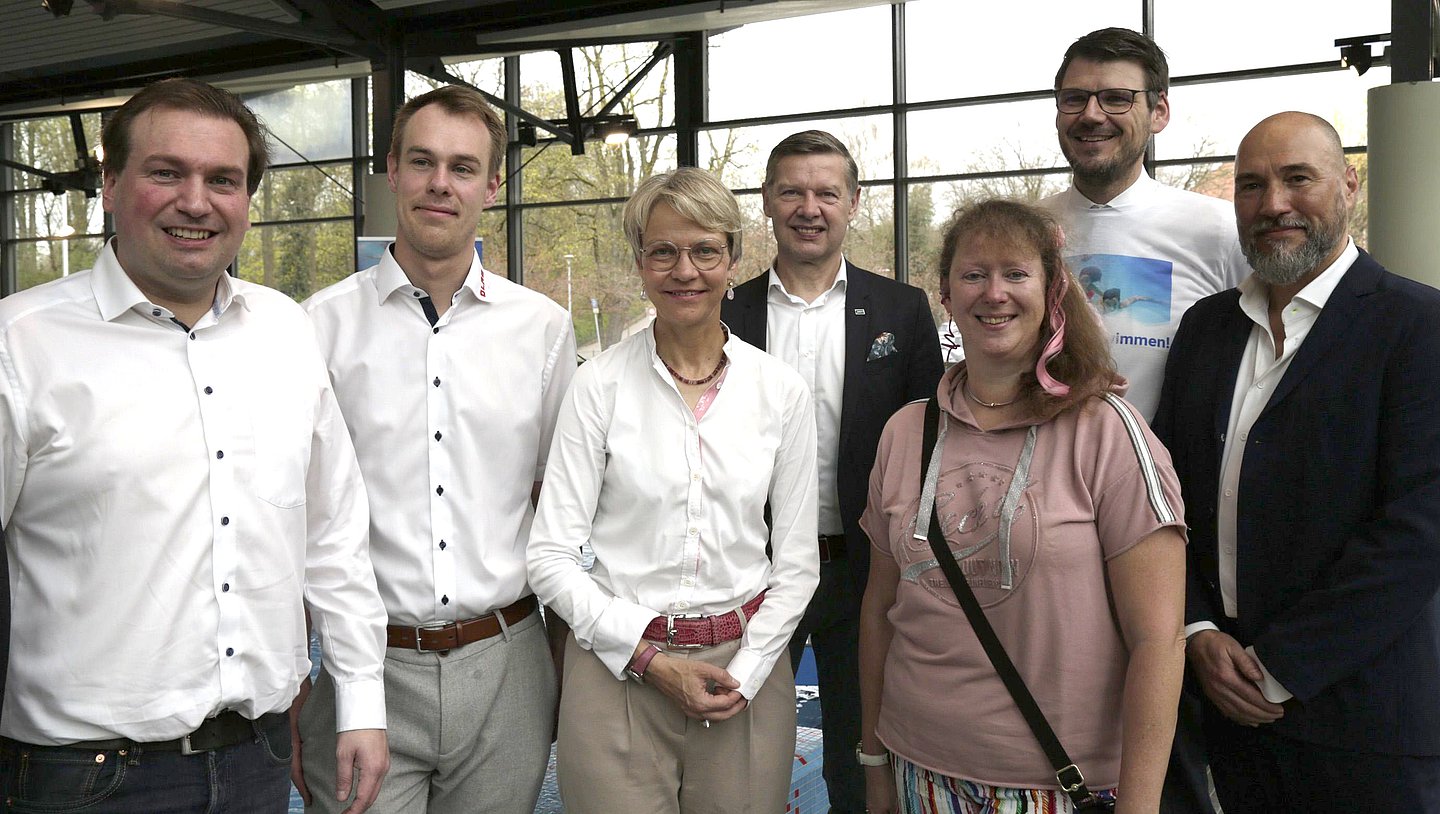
x=1338, y=549
x=874, y=388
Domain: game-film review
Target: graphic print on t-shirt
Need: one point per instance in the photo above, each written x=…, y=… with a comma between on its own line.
x=995, y=547
x=1124, y=290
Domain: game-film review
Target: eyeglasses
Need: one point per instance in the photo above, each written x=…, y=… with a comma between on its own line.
x=1112, y=100
x=662, y=255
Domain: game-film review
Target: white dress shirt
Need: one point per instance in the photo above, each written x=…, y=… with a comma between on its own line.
x=452, y=424
x=168, y=495
x=674, y=507
x=1260, y=371
x=810, y=337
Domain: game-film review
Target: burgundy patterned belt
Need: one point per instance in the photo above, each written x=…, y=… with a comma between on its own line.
x=700, y=631
x=429, y=638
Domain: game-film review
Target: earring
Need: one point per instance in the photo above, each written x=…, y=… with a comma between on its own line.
x=730, y=289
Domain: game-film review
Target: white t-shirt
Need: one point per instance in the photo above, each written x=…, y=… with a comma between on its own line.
x=1143, y=259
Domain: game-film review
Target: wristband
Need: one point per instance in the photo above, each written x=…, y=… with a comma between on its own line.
x=636, y=668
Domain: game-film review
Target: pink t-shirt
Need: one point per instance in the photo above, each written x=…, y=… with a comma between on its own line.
x=1098, y=483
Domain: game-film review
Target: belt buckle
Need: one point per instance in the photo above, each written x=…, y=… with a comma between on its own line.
x=670, y=630
x=186, y=748
x=428, y=626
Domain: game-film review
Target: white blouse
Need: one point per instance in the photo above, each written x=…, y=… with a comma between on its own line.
x=674, y=508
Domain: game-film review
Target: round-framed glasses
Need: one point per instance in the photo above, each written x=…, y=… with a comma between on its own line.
x=1112, y=100
x=662, y=255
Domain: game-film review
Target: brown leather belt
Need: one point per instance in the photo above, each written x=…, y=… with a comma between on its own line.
x=430, y=638
x=226, y=729
x=832, y=547
x=700, y=631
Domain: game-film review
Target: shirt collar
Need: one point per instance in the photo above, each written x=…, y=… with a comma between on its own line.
x=1254, y=293
x=115, y=293
x=777, y=287
x=1136, y=195
x=390, y=278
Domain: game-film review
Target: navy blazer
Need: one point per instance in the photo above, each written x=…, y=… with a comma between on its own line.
x=874, y=388
x=1338, y=549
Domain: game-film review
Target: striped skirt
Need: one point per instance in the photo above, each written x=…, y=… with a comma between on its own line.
x=925, y=792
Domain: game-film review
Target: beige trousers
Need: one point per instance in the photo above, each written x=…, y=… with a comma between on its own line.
x=625, y=746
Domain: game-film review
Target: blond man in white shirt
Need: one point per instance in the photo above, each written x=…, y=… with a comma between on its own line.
x=451, y=377
x=176, y=475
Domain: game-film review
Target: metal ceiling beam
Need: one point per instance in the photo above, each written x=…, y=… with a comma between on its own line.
x=311, y=31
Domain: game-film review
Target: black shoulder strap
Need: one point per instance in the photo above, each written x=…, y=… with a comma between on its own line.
x=1066, y=772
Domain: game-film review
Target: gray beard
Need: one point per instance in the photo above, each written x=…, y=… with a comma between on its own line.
x=1281, y=266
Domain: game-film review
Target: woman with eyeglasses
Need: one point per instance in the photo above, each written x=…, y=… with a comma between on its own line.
x=677, y=693
x=1064, y=514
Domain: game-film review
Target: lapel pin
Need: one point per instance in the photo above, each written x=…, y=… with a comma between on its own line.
x=859, y=312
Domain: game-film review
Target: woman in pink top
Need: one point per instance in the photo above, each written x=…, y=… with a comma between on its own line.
x=1065, y=515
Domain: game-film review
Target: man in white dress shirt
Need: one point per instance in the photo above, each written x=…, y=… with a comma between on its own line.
x=176, y=476
x=450, y=377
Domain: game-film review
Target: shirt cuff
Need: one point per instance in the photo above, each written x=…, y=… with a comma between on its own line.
x=360, y=705
x=1195, y=627
x=747, y=667
x=620, y=628
x=1273, y=691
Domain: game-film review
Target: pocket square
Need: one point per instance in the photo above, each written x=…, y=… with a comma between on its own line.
x=883, y=346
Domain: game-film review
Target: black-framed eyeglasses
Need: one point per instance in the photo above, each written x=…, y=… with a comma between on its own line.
x=1112, y=100
x=662, y=255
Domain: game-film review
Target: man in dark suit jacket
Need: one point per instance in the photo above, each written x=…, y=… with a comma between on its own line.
x=866, y=345
x=1302, y=411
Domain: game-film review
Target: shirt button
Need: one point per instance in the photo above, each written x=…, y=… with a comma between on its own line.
x=442, y=545
x=695, y=476
x=435, y=330
x=444, y=600
x=437, y=381
x=417, y=294
x=687, y=581
x=229, y=651
x=225, y=588
x=225, y=521
x=1260, y=386
x=209, y=390
x=437, y=435
x=682, y=605
x=192, y=334
x=694, y=531
x=155, y=312
x=1229, y=493
x=219, y=453
x=439, y=490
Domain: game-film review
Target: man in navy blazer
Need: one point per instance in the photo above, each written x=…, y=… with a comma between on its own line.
x=866, y=345
x=1302, y=411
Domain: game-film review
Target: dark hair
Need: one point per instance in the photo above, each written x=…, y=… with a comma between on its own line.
x=1121, y=45
x=190, y=96
x=1084, y=362
x=812, y=142
x=457, y=100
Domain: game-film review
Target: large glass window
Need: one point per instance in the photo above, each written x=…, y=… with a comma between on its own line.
x=811, y=63
x=1229, y=35
x=954, y=49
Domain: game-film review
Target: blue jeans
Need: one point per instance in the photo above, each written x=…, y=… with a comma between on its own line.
x=248, y=778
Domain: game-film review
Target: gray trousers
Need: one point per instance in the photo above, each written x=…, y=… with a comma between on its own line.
x=469, y=731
